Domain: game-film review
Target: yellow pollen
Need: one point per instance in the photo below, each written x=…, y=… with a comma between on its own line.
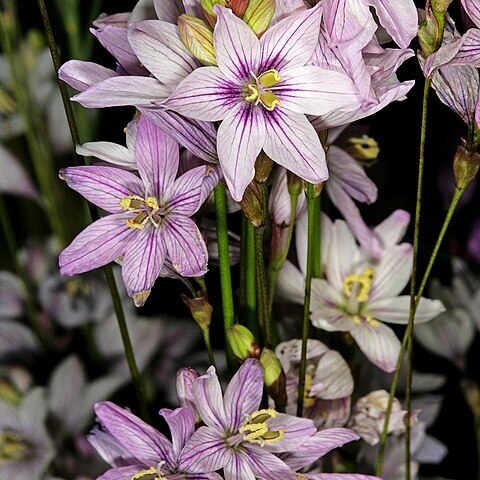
x=148, y=474
x=256, y=430
x=144, y=208
x=269, y=78
x=132, y=202
x=11, y=447
x=253, y=97
x=364, y=282
x=356, y=319
x=152, y=203
x=371, y=321
x=139, y=221
x=259, y=92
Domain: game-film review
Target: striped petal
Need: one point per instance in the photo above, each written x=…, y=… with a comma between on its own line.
x=81, y=75
x=241, y=136
x=103, y=186
x=264, y=465
x=181, y=422
x=110, y=152
x=473, y=10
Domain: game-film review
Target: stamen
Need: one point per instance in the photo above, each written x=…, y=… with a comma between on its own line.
x=254, y=95
x=361, y=283
x=256, y=430
x=148, y=474
x=139, y=221
x=132, y=202
x=270, y=101
x=269, y=78
x=12, y=447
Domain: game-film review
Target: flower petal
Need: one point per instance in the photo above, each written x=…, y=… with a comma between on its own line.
x=241, y=137
x=81, y=75
x=393, y=228
x=110, y=152
x=159, y=48
x=379, y=344
x=291, y=283
x=157, y=157
x=143, y=441
x=236, y=46
x=185, y=246
x=143, y=260
x=121, y=473
x=187, y=192
x=265, y=465
x=100, y=243
x=181, y=422
x=244, y=393
x=297, y=431
x=103, y=186
x=292, y=142
x=238, y=466
x=292, y=41
x=473, y=10
x=169, y=10
x=333, y=378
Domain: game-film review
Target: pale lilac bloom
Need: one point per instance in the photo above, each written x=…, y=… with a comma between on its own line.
x=473, y=10
x=328, y=385
x=150, y=218
x=238, y=436
x=358, y=294
x=137, y=450
x=26, y=449
x=261, y=94
x=12, y=296
x=17, y=341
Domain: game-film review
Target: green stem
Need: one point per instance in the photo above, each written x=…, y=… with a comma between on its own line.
x=251, y=279
x=311, y=245
x=317, y=251
x=224, y=260
x=208, y=345
x=21, y=272
x=262, y=291
x=127, y=343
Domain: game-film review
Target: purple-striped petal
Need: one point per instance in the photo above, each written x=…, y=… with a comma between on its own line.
x=114, y=40
x=314, y=90
x=317, y=446
x=100, y=243
x=143, y=441
x=110, y=152
x=181, y=422
x=121, y=91
x=244, y=393
x=168, y=10
x=241, y=137
x=197, y=137
x=81, y=75
x=292, y=142
x=157, y=157
x=339, y=476
x=265, y=465
x=121, y=473
x=379, y=344
x=236, y=46
x=333, y=378
x=103, y=186
x=297, y=431
x=206, y=451
x=143, y=260
x=158, y=46
x=292, y=41
x=237, y=466
x=186, y=247
x=186, y=192
x=472, y=8
x=206, y=94
x=209, y=401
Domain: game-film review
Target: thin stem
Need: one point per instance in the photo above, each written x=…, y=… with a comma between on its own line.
x=413, y=281
x=127, y=344
x=408, y=332
x=224, y=259
x=311, y=245
x=262, y=291
x=317, y=251
x=251, y=279
x=208, y=345
x=21, y=272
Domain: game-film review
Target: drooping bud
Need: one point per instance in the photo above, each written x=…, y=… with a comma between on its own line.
x=263, y=167
x=200, y=309
x=274, y=377
x=258, y=15
x=197, y=36
x=242, y=342
x=254, y=204
x=465, y=167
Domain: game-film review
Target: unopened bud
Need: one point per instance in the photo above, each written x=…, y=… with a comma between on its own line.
x=200, y=309
x=238, y=6
x=429, y=33
x=465, y=167
x=184, y=384
x=274, y=377
x=197, y=36
x=258, y=15
x=440, y=6
x=242, y=342
x=263, y=167
x=207, y=6
x=8, y=394
x=295, y=184
x=254, y=204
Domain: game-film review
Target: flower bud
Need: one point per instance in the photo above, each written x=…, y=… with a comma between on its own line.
x=197, y=36
x=242, y=342
x=258, y=15
x=200, y=309
x=185, y=379
x=274, y=377
x=254, y=204
x=263, y=167
x=8, y=394
x=465, y=167
x=238, y=6
x=207, y=6
x=440, y=6
x=429, y=35
x=294, y=183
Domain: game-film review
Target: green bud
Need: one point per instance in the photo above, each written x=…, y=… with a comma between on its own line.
x=200, y=309
x=258, y=15
x=254, y=204
x=274, y=377
x=429, y=33
x=263, y=167
x=294, y=183
x=238, y=6
x=207, y=6
x=197, y=36
x=242, y=342
x=465, y=167
x=8, y=394
x=440, y=6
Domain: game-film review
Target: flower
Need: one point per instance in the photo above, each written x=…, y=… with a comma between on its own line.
x=139, y=452
x=238, y=436
x=358, y=294
x=328, y=385
x=261, y=93
x=473, y=10
x=150, y=215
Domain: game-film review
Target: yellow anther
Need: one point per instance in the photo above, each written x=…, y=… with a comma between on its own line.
x=12, y=447
x=356, y=319
x=132, y=202
x=364, y=149
x=256, y=430
x=370, y=320
x=139, y=221
x=362, y=284
x=269, y=100
x=269, y=78
x=148, y=474
x=253, y=97
x=152, y=203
